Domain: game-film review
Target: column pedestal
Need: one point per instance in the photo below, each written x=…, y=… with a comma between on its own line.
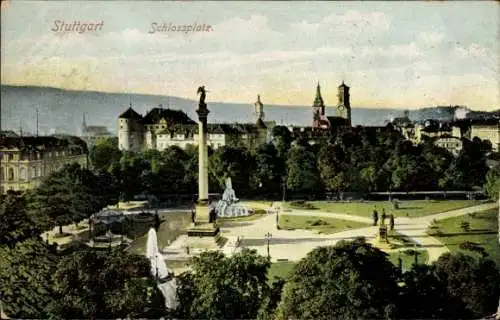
x=202, y=227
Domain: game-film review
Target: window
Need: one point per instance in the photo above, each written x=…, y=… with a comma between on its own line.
x=33, y=172
x=22, y=173
x=11, y=174
x=11, y=156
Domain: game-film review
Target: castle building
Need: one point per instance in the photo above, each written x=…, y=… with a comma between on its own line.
x=161, y=128
x=26, y=161
x=343, y=112
x=486, y=130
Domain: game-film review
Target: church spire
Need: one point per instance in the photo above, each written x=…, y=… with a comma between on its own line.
x=318, y=100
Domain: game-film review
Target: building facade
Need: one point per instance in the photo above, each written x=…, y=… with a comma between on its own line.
x=162, y=128
x=452, y=144
x=486, y=130
x=26, y=161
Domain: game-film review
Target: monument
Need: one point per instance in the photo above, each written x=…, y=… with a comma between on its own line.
x=229, y=205
x=203, y=225
x=382, y=232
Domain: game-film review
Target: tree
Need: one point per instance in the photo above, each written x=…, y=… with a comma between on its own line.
x=303, y=175
x=234, y=163
x=282, y=139
x=492, y=184
x=350, y=280
x=330, y=159
x=15, y=223
x=423, y=296
x=106, y=284
x=472, y=285
x=220, y=287
x=65, y=196
x=267, y=173
x=26, y=286
x=104, y=153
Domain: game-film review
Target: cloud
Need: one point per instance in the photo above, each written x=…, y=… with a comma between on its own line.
x=474, y=50
x=430, y=38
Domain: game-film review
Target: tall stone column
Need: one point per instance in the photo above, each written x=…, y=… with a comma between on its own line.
x=203, y=225
x=202, y=154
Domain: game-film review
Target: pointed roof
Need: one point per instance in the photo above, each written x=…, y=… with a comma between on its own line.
x=258, y=102
x=343, y=85
x=260, y=123
x=318, y=101
x=130, y=114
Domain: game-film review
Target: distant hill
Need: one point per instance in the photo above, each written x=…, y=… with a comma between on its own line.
x=61, y=110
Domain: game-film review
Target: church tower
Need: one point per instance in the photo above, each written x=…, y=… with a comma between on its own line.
x=344, y=104
x=259, y=109
x=318, y=109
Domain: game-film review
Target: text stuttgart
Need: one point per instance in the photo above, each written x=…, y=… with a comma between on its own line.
x=77, y=26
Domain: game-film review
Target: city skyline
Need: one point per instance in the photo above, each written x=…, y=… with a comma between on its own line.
x=402, y=55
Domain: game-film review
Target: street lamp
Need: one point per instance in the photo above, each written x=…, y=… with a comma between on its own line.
x=284, y=188
x=268, y=238
x=278, y=218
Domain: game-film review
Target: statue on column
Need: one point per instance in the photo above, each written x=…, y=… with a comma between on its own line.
x=202, y=96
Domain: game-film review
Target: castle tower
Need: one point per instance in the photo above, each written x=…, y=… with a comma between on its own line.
x=259, y=109
x=344, y=104
x=129, y=130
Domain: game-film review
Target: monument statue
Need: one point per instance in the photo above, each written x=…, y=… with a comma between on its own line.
x=229, y=195
x=202, y=96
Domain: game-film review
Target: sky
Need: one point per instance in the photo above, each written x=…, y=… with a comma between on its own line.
x=403, y=55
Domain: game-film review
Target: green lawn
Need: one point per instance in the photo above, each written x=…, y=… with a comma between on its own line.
x=321, y=224
x=280, y=269
x=408, y=260
x=483, y=231
x=413, y=208
x=257, y=215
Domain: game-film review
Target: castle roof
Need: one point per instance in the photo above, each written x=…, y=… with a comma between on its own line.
x=130, y=114
x=96, y=130
x=171, y=116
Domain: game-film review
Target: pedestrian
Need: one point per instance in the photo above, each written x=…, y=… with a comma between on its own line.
x=391, y=221
x=375, y=216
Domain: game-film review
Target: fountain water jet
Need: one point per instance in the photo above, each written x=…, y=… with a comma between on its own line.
x=164, y=276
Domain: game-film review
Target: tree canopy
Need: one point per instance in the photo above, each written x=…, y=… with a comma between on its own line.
x=351, y=280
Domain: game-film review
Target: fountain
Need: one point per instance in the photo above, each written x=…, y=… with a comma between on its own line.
x=164, y=276
x=229, y=206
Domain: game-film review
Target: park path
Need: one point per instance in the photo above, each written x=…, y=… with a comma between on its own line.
x=412, y=228
x=290, y=245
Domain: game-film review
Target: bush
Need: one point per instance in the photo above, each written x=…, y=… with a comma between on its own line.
x=465, y=226
x=473, y=247
x=302, y=204
x=319, y=222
